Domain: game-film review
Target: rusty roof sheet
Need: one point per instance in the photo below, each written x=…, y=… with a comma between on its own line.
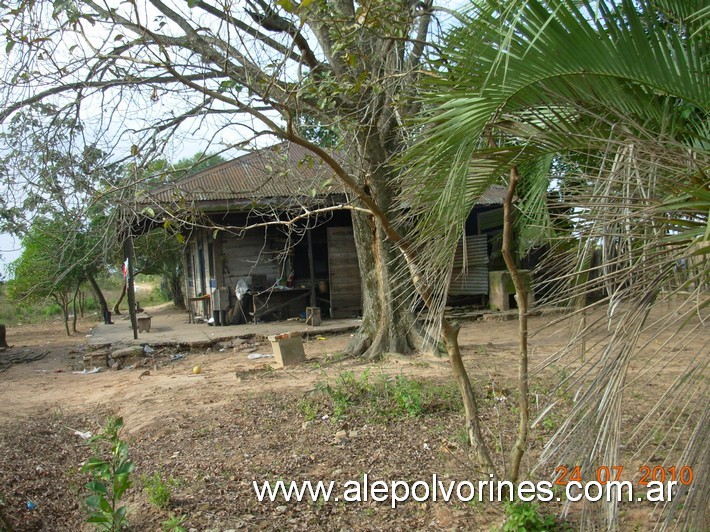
x=494, y=195
x=283, y=170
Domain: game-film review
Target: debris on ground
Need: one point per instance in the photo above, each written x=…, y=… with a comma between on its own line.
x=87, y=371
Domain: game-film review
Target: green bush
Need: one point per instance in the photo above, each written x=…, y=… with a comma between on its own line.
x=525, y=517
x=51, y=310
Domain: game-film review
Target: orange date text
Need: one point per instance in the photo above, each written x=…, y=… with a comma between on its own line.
x=605, y=474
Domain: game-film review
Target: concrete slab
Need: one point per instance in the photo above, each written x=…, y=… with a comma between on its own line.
x=170, y=327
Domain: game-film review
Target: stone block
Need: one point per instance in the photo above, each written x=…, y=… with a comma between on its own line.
x=501, y=287
x=97, y=359
x=126, y=352
x=288, y=349
x=143, y=321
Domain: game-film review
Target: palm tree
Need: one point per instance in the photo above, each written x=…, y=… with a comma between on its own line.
x=600, y=109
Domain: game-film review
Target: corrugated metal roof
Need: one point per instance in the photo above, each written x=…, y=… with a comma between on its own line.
x=284, y=170
x=494, y=195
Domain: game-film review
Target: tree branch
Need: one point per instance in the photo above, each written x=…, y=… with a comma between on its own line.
x=270, y=20
x=250, y=30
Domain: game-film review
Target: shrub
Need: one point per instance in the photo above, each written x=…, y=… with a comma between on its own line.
x=174, y=523
x=111, y=471
x=525, y=517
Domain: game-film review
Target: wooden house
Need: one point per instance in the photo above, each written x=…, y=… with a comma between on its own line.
x=246, y=232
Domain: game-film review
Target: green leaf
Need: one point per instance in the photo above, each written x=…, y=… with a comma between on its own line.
x=126, y=468
x=92, y=464
x=97, y=487
x=287, y=5
x=93, y=501
x=104, y=505
x=98, y=518
x=120, y=514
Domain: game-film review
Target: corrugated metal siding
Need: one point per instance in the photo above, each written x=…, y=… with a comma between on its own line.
x=470, y=271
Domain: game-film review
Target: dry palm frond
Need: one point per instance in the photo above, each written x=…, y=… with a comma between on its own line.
x=623, y=208
x=635, y=267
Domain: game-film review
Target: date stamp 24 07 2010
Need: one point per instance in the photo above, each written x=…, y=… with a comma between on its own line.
x=605, y=474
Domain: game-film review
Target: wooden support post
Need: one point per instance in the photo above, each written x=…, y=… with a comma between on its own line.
x=312, y=268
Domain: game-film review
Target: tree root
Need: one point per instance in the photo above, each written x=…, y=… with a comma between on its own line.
x=358, y=345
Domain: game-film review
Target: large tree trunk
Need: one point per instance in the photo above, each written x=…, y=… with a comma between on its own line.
x=388, y=324
x=173, y=281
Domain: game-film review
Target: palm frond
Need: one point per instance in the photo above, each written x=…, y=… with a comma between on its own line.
x=616, y=94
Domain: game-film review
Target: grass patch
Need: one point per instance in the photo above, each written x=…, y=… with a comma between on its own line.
x=526, y=517
x=159, y=491
x=379, y=397
x=174, y=523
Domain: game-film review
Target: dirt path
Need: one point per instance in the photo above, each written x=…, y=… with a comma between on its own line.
x=240, y=420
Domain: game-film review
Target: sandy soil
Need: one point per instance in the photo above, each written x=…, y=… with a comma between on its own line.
x=239, y=420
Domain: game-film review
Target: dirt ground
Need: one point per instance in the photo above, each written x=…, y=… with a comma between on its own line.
x=239, y=420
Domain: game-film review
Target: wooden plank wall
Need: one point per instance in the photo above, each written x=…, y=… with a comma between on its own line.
x=251, y=255
x=344, y=274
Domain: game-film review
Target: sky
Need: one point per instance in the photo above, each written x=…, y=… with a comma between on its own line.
x=9, y=251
